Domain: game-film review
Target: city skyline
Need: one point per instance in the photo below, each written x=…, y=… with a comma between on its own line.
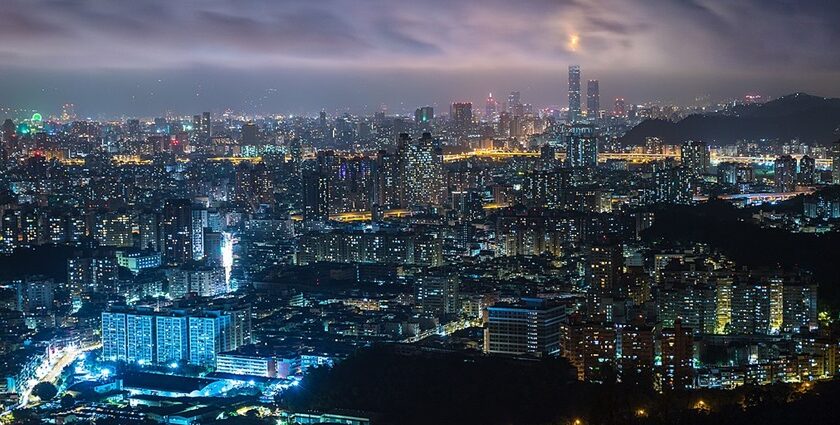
x=295, y=57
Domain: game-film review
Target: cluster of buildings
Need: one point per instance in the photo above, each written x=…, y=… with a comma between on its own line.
x=215, y=255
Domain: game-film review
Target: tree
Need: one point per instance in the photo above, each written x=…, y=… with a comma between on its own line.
x=67, y=401
x=44, y=391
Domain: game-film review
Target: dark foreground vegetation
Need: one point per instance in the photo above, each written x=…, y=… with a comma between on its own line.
x=460, y=389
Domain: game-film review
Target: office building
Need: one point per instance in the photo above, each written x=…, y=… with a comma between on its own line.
x=574, y=93
x=528, y=327
x=593, y=100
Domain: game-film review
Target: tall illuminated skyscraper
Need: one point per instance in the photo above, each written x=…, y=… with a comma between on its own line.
x=593, y=99
x=574, y=93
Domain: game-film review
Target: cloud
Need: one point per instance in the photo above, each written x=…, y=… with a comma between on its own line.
x=638, y=44
x=682, y=35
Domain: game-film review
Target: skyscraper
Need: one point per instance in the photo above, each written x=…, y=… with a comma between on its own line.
x=593, y=99
x=514, y=105
x=620, y=108
x=835, y=162
x=491, y=107
x=574, y=93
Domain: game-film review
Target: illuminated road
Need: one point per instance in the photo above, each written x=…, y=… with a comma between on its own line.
x=760, y=197
x=53, y=371
x=447, y=329
x=633, y=157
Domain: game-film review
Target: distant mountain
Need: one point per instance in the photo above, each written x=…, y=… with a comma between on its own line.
x=796, y=116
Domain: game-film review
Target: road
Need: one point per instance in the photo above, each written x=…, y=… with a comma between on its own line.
x=54, y=370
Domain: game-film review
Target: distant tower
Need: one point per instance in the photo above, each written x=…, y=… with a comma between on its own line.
x=491, y=107
x=574, y=93
x=593, y=99
x=620, y=109
x=515, y=104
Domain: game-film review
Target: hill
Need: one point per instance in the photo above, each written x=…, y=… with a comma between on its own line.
x=797, y=116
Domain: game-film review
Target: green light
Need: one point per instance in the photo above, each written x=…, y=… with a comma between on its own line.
x=37, y=117
x=23, y=128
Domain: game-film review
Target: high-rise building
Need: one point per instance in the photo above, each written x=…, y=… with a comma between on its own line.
x=530, y=326
x=424, y=115
x=620, y=108
x=139, y=337
x=199, y=223
x=461, y=115
x=171, y=340
x=574, y=93
x=165, y=337
x=593, y=99
x=176, y=226
x=590, y=347
x=835, y=162
x=635, y=350
x=695, y=157
x=581, y=146
x=205, y=281
x=672, y=185
x=784, y=174
x=421, y=171
x=602, y=268
x=250, y=134
x=807, y=170
x=437, y=293
x=491, y=107
x=316, y=196
x=113, y=334
x=35, y=294
x=677, y=353
x=114, y=229
x=514, y=104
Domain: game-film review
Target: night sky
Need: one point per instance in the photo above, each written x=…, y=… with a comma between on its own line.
x=147, y=57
